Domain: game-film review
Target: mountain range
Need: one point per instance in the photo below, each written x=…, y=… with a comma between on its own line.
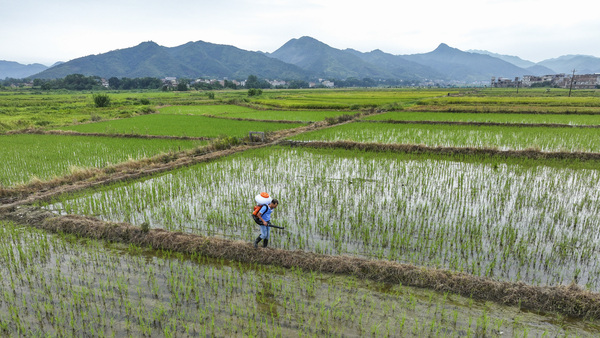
x=304, y=58
x=18, y=71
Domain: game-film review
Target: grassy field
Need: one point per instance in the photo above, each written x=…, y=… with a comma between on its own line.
x=570, y=119
x=179, y=125
x=501, y=137
x=43, y=157
x=60, y=285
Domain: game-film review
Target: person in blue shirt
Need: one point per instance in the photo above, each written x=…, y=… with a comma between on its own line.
x=263, y=218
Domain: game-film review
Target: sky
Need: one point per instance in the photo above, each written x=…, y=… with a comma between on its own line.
x=47, y=31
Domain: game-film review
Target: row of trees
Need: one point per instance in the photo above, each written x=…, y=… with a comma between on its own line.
x=70, y=82
x=82, y=82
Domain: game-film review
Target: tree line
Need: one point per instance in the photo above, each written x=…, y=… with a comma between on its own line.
x=82, y=82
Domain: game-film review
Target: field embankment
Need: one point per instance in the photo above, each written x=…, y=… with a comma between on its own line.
x=423, y=149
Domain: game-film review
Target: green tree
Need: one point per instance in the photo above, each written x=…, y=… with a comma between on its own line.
x=252, y=81
x=114, y=82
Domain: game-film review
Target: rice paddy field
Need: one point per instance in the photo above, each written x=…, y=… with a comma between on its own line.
x=179, y=125
x=500, y=137
x=570, y=119
x=512, y=220
x=476, y=217
x=346, y=98
x=31, y=156
x=497, y=100
x=242, y=112
x=60, y=285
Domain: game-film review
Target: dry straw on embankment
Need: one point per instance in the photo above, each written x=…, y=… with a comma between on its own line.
x=568, y=300
x=423, y=149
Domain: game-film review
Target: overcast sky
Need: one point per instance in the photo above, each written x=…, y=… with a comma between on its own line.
x=46, y=31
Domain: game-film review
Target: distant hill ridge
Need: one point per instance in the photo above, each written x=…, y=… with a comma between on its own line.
x=306, y=58
x=18, y=71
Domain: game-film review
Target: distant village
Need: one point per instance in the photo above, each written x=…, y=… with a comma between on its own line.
x=274, y=83
x=584, y=81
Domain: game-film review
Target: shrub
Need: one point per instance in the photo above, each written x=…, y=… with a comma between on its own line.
x=102, y=100
x=95, y=117
x=225, y=142
x=254, y=92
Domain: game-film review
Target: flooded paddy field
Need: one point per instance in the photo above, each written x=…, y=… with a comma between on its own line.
x=510, y=220
x=52, y=284
x=498, y=137
x=508, y=118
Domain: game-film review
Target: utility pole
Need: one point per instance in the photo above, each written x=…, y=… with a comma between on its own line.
x=572, y=78
x=517, y=81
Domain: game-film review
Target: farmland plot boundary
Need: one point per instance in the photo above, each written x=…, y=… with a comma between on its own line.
x=419, y=148
x=569, y=300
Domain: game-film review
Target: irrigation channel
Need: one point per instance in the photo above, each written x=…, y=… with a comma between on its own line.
x=360, y=225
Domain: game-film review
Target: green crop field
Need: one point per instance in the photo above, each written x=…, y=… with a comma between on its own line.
x=232, y=111
x=205, y=109
x=502, y=101
x=179, y=125
x=570, y=119
x=344, y=99
x=501, y=137
x=26, y=156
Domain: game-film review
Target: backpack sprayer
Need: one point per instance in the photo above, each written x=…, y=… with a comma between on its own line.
x=262, y=200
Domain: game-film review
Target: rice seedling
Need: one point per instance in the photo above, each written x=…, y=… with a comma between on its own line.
x=62, y=285
x=42, y=157
x=179, y=125
x=499, y=137
x=516, y=221
x=568, y=119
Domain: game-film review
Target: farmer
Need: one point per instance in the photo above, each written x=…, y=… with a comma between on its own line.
x=263, y=218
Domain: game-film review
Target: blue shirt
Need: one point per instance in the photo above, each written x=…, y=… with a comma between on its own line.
x=266, y=215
